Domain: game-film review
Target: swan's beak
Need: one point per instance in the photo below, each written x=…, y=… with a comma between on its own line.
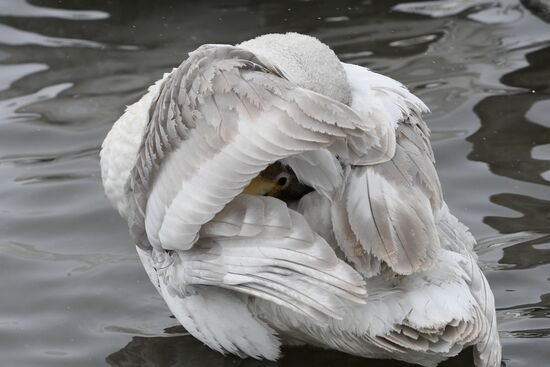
x=260, y=186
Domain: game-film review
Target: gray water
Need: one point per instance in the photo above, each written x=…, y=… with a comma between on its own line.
x=72, y=292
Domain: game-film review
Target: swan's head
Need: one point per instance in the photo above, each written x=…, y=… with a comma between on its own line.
x=306, y=61
x=277, y=180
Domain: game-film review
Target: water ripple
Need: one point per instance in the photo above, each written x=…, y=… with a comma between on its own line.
x=11, y=73
x=439, y=9
x=414, y=40
x=21, y=8
x=9, y=107
x=87, y=261
x=16, y=37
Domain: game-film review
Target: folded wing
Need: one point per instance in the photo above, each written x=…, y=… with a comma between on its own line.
x=387, y=215
x=257, y=246
x=220, y=119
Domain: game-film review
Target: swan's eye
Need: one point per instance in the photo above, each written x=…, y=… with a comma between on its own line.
x=283, y=179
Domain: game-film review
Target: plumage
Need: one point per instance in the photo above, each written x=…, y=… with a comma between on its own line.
x=390, y=210
x=371, y=262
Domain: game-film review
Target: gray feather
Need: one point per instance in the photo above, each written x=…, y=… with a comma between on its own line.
x=215, y=87
x=391, y=206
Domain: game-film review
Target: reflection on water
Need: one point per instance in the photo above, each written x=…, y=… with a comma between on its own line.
x=507, y=137
x=21, y=8
x=87, y=261
x=506, y=141
x=73, y=291
x=187, y=351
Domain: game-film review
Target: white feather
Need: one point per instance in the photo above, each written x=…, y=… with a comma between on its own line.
x=244, y=274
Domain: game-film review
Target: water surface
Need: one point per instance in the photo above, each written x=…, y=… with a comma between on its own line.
x=73, y=292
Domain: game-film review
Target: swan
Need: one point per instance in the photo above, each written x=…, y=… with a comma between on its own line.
x=278, y=196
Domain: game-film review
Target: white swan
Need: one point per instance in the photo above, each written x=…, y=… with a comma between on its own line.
x=370, y=262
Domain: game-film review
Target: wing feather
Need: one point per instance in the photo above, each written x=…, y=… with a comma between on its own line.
x=391, y=209
x=221, y=118
x=202, y=146
x=391, y=195
x=257, y=246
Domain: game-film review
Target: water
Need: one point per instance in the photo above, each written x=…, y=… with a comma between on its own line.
x=73, y=292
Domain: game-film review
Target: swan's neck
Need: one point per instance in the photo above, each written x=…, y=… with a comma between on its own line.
x=305, y=61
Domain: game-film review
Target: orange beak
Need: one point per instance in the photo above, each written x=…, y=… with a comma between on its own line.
x=260, y=186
